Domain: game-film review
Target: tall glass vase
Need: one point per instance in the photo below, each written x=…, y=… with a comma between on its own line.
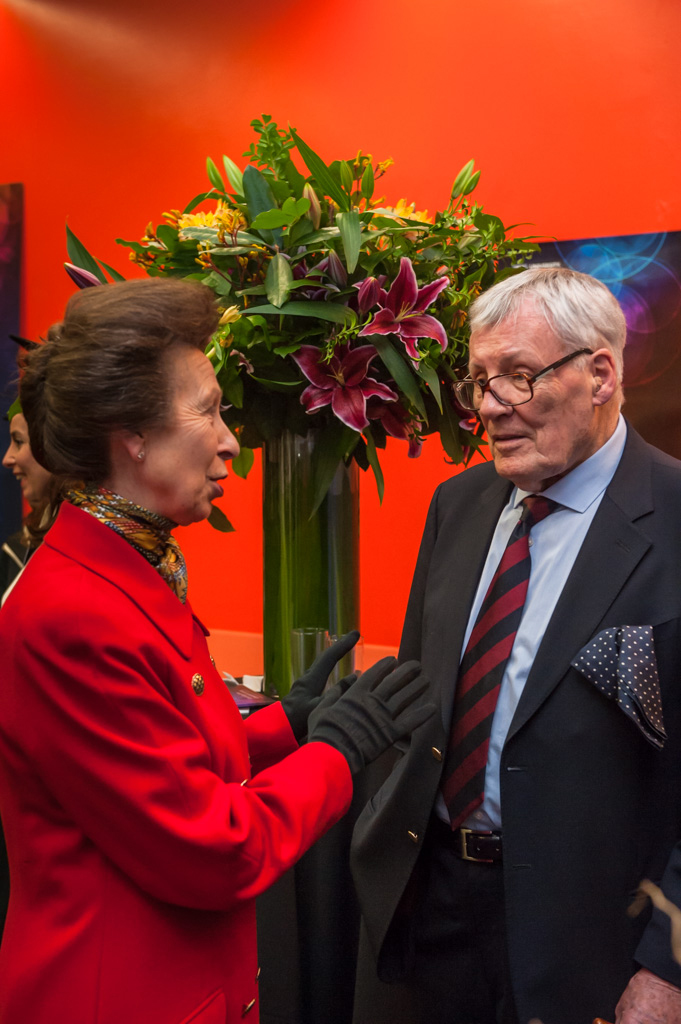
x=311, y=562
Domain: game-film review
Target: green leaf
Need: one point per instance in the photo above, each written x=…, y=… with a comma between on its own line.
x=449, y=434
x=321, y=173
x=372, y=456
x=351, y=234
x=113, y=274
x=430, y=376
x=219, y=521
x=461, y=179
x=347, y=179
x=272, y=219
x=324, y=235
x=294, y=177
x=300, y=232
x=135, y=246
x=193, y=203
x=286, y=350
x=14, y=409
x=331, y=311
x=219, y=284
x=168, y=235
x=259, y=198
x=400, y=372
x=214, y=175
x=233, y=390
x=278, y=280
x=80, y=257
x=243, y=463
x=368, y=182
x=338, y=443
x=276, y=385
x=234, y=175
x=281, y=190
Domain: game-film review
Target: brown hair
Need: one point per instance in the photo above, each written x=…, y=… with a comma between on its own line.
x=105, y=368
x=40, y=519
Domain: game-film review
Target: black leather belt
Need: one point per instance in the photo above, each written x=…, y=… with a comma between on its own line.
x=480, y=847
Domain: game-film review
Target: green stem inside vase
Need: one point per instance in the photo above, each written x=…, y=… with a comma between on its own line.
x=311, y=562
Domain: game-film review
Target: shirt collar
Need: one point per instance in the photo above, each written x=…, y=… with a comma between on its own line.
x=579, y=488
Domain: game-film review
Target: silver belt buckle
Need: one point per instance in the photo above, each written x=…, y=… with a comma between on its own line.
x=464, y=833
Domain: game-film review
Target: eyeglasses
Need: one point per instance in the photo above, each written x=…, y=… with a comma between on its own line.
x=509, y=388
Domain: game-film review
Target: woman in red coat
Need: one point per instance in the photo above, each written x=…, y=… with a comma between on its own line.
x=142, y=816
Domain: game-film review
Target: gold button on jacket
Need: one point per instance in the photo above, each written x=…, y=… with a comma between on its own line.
x=198, y=684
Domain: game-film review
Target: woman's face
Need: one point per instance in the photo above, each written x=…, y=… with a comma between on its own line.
x=184, y=460
x=33, y=478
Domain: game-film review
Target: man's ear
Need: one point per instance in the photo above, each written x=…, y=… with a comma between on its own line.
x=604, y=376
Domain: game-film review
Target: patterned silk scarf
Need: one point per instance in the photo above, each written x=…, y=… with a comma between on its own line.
x=146, y=531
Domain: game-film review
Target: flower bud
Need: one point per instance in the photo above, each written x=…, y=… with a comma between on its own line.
x=83, y=278
x=315, y=211
x=368, y=292
x=336, y=270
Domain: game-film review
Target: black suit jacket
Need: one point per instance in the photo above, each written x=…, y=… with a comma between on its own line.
x=589, y=806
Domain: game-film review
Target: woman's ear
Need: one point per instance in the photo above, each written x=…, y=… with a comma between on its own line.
x=129, y=444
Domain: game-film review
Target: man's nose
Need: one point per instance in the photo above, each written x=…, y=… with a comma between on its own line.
x=491, y=406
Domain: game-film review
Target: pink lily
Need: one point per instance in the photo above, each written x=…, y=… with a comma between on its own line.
x=398, y=423
x=370, y=293
x=403, y=311
x=341, y=383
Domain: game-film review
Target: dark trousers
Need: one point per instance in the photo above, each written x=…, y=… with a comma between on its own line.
x=461, y=971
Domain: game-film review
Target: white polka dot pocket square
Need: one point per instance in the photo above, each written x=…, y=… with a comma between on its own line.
x=621, y=663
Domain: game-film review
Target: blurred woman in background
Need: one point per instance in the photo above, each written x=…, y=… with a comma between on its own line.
x=37, y=487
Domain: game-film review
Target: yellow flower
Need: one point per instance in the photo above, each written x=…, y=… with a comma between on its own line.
x=383, y=165
x=230, y=316
x=223, y=217
x=172, y=217
x=405, y=209
x=149, y=234
x=146, y=259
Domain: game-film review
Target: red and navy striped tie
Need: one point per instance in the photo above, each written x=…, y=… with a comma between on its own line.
x=482, y=667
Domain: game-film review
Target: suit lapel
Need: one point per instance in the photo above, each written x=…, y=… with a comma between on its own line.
x=612, y=549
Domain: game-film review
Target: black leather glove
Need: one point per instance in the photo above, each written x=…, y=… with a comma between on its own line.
x=373, y=713
x=306, y=692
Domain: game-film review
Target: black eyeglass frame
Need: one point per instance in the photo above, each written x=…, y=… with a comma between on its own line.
x=530, y=379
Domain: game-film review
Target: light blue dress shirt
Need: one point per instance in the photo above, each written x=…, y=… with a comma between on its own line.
x=554, y=546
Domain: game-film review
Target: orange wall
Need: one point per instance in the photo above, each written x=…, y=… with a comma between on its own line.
x=109, y=108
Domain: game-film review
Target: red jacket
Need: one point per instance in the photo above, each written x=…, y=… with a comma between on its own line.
x=142, y=816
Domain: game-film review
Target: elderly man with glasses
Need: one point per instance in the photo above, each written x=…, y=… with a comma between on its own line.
x=497, y=864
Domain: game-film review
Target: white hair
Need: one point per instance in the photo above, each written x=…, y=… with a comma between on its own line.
x=579, y=309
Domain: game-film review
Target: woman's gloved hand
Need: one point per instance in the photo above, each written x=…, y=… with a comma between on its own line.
x=373, y=712
x=306, y=692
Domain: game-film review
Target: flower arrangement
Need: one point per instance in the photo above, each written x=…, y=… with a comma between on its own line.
x=340, y=313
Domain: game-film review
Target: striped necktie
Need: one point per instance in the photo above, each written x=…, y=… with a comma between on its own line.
x=482, y=667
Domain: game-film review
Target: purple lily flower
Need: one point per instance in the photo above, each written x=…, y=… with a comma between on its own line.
x=370, y=293
x=403, y=311
x=83, y=278
x=341, y=383
x=332, y=266
x=398, y=423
